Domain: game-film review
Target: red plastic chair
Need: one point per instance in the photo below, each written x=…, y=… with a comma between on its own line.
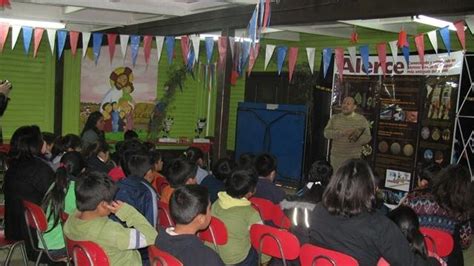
x=160, y=258
x=37, y=224
x=63, y=216
x=311, y=255
x=86, y=253
x=216, y=233
x=274, y=242
x=11, y=245
x=382, y=262
x=164, y=217
x=271, y=212
x=438, y=241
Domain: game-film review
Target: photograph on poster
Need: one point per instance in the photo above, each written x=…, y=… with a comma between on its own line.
x=398, y=180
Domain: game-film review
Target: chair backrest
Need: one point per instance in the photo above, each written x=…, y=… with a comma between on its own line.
x=274, y=242
x=271, y=212
x=164, y=216
x=86, y=253
x=160, y=258
x=35, y=217
x=216, y=233
x=382, y=262
x=2, y=211
x=311, y=255
x=63, y=216
x=437, y=241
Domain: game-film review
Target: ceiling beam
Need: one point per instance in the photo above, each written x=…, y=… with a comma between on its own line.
x=339, y=32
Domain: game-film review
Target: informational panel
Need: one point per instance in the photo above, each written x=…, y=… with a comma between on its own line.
x=411, y=109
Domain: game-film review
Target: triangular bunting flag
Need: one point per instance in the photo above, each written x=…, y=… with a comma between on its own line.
x=253, y=57
x=402, y=39
x=352, y=55
x=169, y=42
x=222, y=49
x=420, y=47
x=292, y=56
x=444, y=32
x=196, y=40
x=354, y=37
x=231, y=44
x=281, y=54
x=159, y=46
x=112, y=43
x=252, y=28
x=310, y=52
x=460, y=32
x=433, y=39
x=268, y=54
x=73, y=38
x=134, y=46
x=27, y=34
x=327, y=54
x=394, y=50
x=124, y=44
x=4, y=28
x=96, y=45
x=339, y=57
x=51, y=39
x=266, y=16
x=15, y=33
x=62, y=34
x=86, y=36
x=470, y=24
x=147, y=40
x=209, y=41
x=185, y=48
x=406, y=54
x=37, y=40
x=382, y=53
x=364, y=53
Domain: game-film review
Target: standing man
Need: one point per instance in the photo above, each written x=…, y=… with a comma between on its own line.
x=348, y=131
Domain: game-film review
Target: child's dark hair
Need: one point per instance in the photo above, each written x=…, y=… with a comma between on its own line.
x=246, y=160
x=128, y=148
x=92, y=188
x=241, y=182
x=179, y=171
x=429, y=173
x=319, y=174
x=187, y=202
x=63, y=144
x=265, y=164
x=407, y=220
x=130, y=134
x=155, y=156
x=25, y=143
x=138, y=164
x=105, y=105
x=193, y=154
x=96, y=148
x=223, y=168
x=49, y=137
x=71, y=166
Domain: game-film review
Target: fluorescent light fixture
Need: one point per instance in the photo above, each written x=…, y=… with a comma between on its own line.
x=34, y=23
x=434, y=22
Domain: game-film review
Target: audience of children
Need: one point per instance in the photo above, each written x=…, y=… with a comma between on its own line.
x=191, y=210
x=180, y=172
x=95, y=192
x=61, y=198
x=69, y=142
x=117, y=173
x=266, y=167
x=221, y=170
x=196, y=156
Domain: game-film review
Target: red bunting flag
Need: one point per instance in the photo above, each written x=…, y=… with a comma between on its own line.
x=4, y=28
x=147, y=40
x=382, y=53
x=222, y=46
x=266, y=15
x=73, y=38
x=354, y=37
x=460, y=32
x=37, y=40
x=292, y=56
x=111, y=41
x=4, y=4
x=253, y=57
x=402, y=39
x=185, y=48
x=340, y=61
x=420, y=47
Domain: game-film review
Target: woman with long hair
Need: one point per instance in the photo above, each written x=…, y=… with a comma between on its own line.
x=93, y=130
x=61, y=198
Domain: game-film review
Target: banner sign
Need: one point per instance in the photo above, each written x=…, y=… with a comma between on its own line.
x=412, y=112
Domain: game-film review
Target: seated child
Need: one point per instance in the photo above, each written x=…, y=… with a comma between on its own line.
x=98, y=158
x=191, y=210
x=235, y=210
x=153, y=176
x=94, y=198
x=215, y=183
x=196, y=156
x=134, y=145
x=179, y=173
x=266, y=166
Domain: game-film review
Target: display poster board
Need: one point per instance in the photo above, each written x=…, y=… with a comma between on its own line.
x=411, y=110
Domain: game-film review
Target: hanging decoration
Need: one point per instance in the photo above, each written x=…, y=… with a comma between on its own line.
x=310, y=52
x=111, y=41
x=327, y=54
x=147, y=40
x=73, y=38
x=159, y=46
x=86, y=36
x=364, y=53
x=15, y=33
x=4, y=28
x=470, y=24
x=4, y=4
x=268, y=54
x=134, y=46
x=281, y=54
x=169, y=42
x=402, y=39
x=231, y=45
x=209, y=41
x=252, y=28
x=394, y=49
x=339, y=57
x=254, y=51
x=433, y=39
x=222, y=49
x=37, y=40
x=354, y=36
x=191, y=61
x=185, y=48
x=382, y=53
x=352, y=55
x=124, y=44
x=244, y=56
x=444, y=32
x=96, y=45
x=61, y=41
x=266, y=17
x=51, y=38
x=460, y=32
x=27, y=34
x=420, y=47
x=196, y=41
x=406, y=54
x=292, y=56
